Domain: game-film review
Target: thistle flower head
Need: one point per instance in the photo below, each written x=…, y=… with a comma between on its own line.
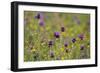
x=66, y=44
x=39, y=15
x=50, y=43
x=82, y=47
x=73, y=40
x=41, y=23
x=51, y=54
x=81, y=36
x=57, y=34
x=62, y=29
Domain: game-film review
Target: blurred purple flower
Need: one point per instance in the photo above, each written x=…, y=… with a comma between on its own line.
x=81, y=36
x=41, y=23
x=73, y=40
x=39, y=16
x=82, y=47
x=66, y=44
x=50, y=43
x=62, y=29
x=57, y=34
x=51, y=54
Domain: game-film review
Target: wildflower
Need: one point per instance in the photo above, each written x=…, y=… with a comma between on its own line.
x=63, y=34
x=39, y=16
x=66, y=44
x=41, y=23
x=81, y=36
x=57, y=34
x=51, y=54
x=62, y=49
x=82, y=47
x=62, y=29
x=33, y=50
x=50, y=43
x=73, y=40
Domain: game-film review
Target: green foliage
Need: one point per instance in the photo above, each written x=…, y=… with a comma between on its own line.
x=36, y=37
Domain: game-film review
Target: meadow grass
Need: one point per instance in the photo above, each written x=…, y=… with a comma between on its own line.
x=56, y=36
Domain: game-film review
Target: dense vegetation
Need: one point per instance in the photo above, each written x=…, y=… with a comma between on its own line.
x=56, y=36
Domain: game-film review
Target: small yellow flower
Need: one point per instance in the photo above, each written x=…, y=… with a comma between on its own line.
x=33, y=50
x=63, y=34
x=62, y=49
x=42, y=43
x=88, y=46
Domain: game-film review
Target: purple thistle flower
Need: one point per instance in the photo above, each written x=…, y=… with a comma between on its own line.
x=66, y=44
x=62, y=29
x=50, y=43
x=51, y=54
x=57, y=34
x=81, y=36
x=41, y=23
x=39, y=16
x=73, y=40
x=82, y=47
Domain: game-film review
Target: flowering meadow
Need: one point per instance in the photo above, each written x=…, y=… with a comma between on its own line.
x=56, y=36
